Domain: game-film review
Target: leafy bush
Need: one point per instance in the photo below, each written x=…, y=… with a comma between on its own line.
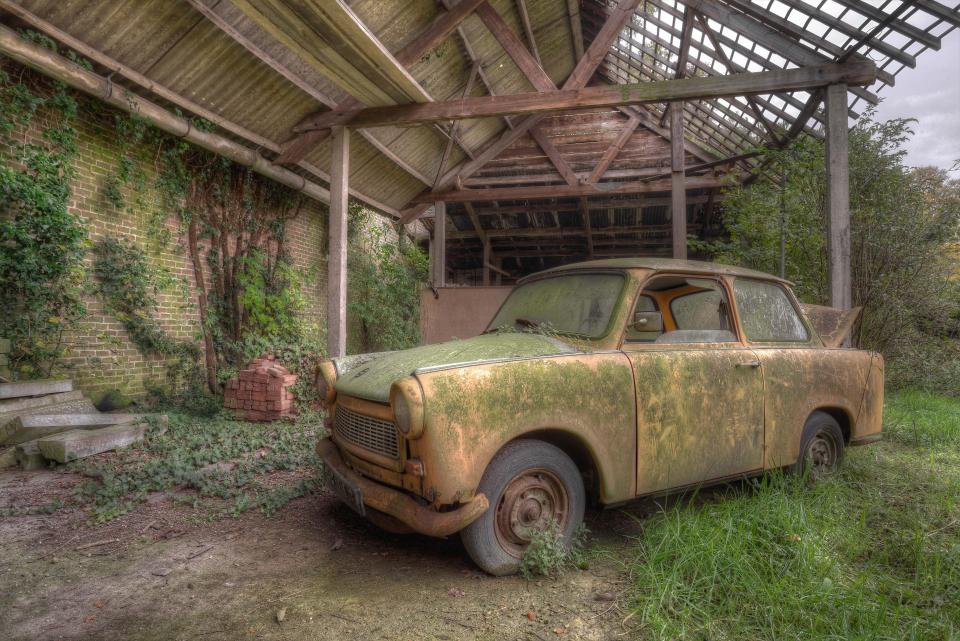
x=385, y=278
x=901, y=221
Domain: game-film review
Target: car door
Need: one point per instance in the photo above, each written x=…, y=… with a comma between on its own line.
x=699, y=388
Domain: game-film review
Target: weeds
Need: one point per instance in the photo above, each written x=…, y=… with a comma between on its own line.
x=549, y=555
x=216, y=457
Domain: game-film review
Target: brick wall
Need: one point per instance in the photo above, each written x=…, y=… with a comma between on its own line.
x=101, y=356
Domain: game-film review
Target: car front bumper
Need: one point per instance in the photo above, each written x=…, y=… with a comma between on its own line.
x=402, y=507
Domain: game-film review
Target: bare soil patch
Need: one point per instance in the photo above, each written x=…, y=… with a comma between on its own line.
x=313, y=570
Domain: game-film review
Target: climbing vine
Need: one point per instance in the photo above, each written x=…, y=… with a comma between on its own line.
x=42, y=244
x=385, y=278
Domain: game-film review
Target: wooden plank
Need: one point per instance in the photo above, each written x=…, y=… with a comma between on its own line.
x=528, y=30
x=554, y=155
x=337, y=265
x=442, y=26
x=838, y=198
x=678, y=193
x=576, y=28
x=511, y=43
x=615, y=147
x=78, y=444
x=564, y=191
x=28, y=428
x=854, y=72
x=439, y=258
x=584, y=207
x=34, y=388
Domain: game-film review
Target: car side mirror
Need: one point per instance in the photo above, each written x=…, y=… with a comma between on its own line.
x=648, y=322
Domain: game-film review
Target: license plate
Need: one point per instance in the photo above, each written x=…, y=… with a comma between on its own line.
x=346, y=491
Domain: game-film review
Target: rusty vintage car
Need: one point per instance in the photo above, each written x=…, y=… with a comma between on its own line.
x=600, y=381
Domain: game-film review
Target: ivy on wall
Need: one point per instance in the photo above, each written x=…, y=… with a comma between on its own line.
x=42, y=244
x=386, y=273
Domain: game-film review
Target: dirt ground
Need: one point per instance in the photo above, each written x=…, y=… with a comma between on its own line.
x=314, y=570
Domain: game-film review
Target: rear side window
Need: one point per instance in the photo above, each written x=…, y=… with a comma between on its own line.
x=766, y=313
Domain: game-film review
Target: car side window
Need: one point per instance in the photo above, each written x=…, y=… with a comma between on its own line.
x=634, y=332
x=766, y=313
x=699, y=310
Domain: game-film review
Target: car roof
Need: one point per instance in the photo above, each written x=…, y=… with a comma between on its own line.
x=662, y=264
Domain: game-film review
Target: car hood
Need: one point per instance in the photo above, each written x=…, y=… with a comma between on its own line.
x=370, y=376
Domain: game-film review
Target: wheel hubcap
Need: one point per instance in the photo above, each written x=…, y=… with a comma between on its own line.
x=530, y=502
x=821, y=455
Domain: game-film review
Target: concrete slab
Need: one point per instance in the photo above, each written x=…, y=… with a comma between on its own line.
x=8, y=458
x=13, y=405
x=78, y=444
x=28, y=428
x=34, y=388
x=78, y=405
x=30, y=457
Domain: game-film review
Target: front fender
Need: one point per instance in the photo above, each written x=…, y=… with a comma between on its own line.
x=472, y=412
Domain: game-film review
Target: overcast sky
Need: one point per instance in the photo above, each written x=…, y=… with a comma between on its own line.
x=931, y=94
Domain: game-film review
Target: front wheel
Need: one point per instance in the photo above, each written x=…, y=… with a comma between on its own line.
x=821, y=446
x=530, y=485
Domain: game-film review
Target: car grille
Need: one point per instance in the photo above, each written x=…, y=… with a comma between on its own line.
x=379, y=437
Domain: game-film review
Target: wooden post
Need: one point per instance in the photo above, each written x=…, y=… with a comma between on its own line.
x=678, y=190
x=486, y=263
x=439, y=264
x=337, y=265
x=838, y=198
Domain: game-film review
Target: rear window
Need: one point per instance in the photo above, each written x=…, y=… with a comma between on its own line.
x=766, y=313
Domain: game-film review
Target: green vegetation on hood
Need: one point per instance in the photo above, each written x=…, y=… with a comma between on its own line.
x=372, y=379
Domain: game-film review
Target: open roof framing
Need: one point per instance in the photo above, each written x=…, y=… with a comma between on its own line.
x=587, y=177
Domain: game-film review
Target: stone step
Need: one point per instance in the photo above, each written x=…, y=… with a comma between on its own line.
x=30, y=457
x=77, y=444
x=8, y=457
x=34, y=388
x=78, y=405
x=28, y=428
x=15, y=405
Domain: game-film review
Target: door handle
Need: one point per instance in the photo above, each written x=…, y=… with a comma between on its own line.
x=750, y=364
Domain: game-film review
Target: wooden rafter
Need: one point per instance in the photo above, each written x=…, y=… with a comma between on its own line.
x=528, y=29
x=561, y=191
x=516, y=50
x=854, y=72
x=441, y=27
x=553, y=154
x=610, y=154
x=578, y=78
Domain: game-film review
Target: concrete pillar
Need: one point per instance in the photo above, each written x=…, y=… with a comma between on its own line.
x=838, y=198
x=337, y=265
x=438, y=264
x=678, y=189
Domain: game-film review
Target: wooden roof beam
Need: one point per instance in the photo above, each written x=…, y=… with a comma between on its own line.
x=633, y=121
x=853, y=72
x=516, y=50
x=578, y=78
x=441, y=27
x=941, y=11
x=553, y=154
x=561, y=191
x=907, y=29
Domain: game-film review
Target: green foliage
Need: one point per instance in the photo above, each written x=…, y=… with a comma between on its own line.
x=549, y=555
x=385, y=278
x=270, y=295
x=42, y=243
x=871, y=553
x=227, y=464
x=922, y=419
x=901, y=220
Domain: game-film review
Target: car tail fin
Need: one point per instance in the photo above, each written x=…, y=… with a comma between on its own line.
x=832, y=324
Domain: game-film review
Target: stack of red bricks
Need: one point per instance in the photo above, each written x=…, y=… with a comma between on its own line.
x=262, y=391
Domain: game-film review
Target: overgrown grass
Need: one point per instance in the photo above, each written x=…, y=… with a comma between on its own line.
x=872, y=553
x=222, y=463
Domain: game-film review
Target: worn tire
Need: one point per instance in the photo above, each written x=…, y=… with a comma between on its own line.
x=514, y=464
x=821, y=446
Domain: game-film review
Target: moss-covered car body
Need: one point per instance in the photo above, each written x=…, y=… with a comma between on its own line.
x=638, y=413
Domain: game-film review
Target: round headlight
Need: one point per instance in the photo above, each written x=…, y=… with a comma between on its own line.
x=325, y=382
x=406, y=399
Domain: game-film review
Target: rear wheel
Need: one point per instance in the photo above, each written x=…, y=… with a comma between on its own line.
x=821, y=446
x=530, y=485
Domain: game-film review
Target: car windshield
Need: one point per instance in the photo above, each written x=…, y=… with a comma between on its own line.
x=579, y=304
